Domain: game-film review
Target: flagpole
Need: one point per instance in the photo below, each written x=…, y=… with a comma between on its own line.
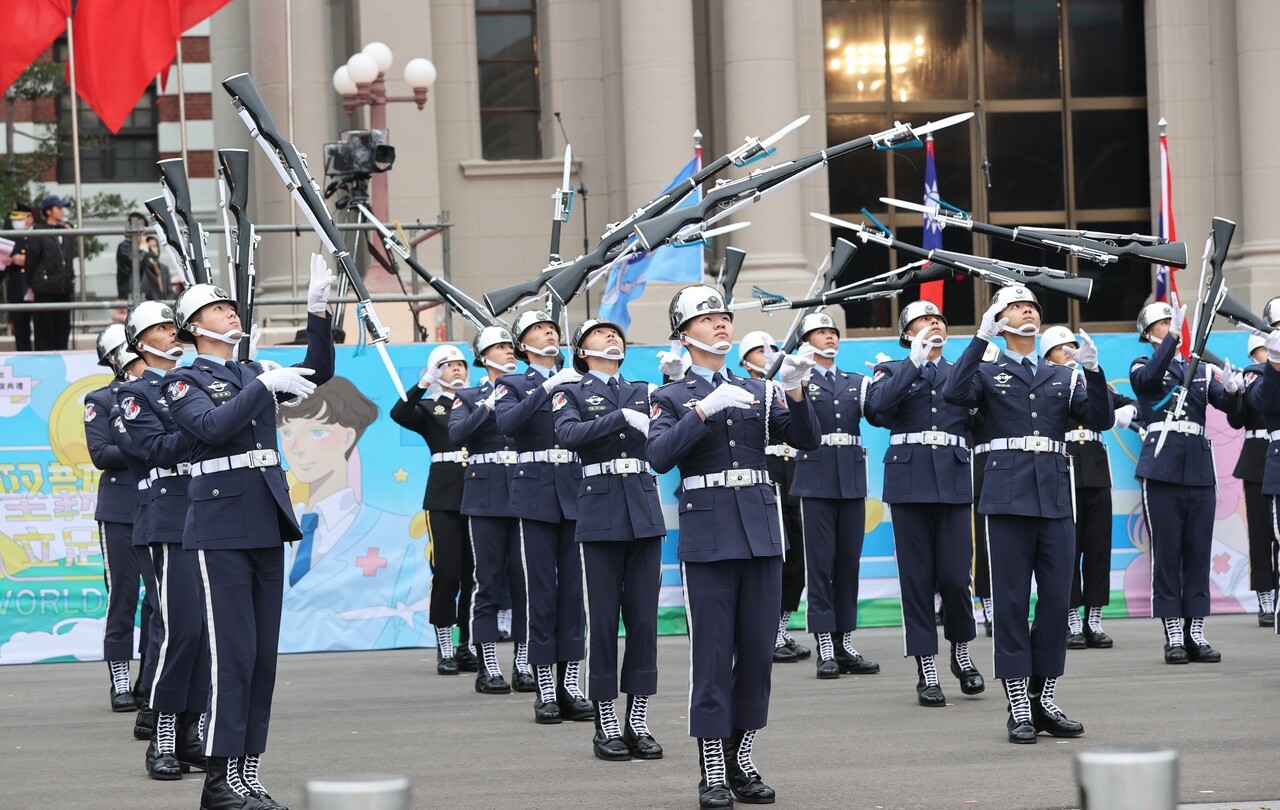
x=75, y=158
x=288, y=93
x=182, y=105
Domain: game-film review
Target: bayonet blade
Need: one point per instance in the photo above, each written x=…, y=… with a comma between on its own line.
x=784, y=132
x=934, y=126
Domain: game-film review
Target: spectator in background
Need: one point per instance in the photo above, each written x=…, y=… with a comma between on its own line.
x=15, y=278
x=136, y=238
x=51, y=275
x=170, y=283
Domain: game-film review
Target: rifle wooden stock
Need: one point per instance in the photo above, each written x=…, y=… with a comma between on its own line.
x=173, y=173
x=733, y=259
x=841, y=257
x=1078, y=288
x=234, y=167
x=1234, y=311
x=166, y=228
x=505, y=298
x=1170, y=253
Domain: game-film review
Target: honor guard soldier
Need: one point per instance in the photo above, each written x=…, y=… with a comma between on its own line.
x=980, y=441
x=1179, y=484
x=452, y=568
x=544, y=496
x=831, y=482
x=115, y=513
x=714, y=426
x=241, y=516
x=1263, y=394
x=180, y=691
x=605, y=419
x=928, y=485
x=1250, y=469
x=780, y=459
x=495, y=535
x=1091, y=471
x=1026, y=498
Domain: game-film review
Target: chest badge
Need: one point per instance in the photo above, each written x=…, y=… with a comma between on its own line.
x=438, y=410
x=217, y=386
x=594, y=399
x=1002, y=379
x=692, y=402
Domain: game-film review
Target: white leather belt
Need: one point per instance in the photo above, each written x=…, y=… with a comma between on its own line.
x=252, y=458
x=456, y=455
x=1029, y=444
x=979, y=449
x=618, y=466
x=784, y=450
x=556, y=456
x=1274, y=435
x=933, y=438
x=1259, y=434
x=1083, y=436
x=498, y=457
x=728, y=478
x=160, y=472
x=1177, y=426
x=841, y=440
x=143, y=485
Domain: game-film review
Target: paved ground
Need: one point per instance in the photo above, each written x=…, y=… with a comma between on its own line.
x=856, y=742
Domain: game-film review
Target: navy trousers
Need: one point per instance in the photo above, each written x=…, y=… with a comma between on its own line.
x=553, y=591
x=793, y=565
x=1180, y=522
x=1018, y=548
x=733, y=608
x=833, y=532
x=495, y=546
x=152, y=627
x=622, y=579
x=242, y=589
x=182, y=666
x=934, y=550
x=1091, y=571
x=452, y=572
x=120, y=571
x=1262, y=538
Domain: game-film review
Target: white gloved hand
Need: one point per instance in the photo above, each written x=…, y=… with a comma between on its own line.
x=807, y=351
x=322, y=279
x=919, y=349
x=637, y=420
x=255, y=335
x=430, y=376
x=1232, y=380
x=1179, y=316
x=670, y=364
x=727, y=395
x=1087, y=354
x=288, y=380
x=568, y=374
x=881, y=357
x=794, y=370
x=1125, y=415
x=990, y=327
x=491, y=400
x=1272, y=343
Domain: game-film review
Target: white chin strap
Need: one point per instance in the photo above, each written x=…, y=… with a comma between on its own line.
x=549, y=351
x=1026, y=330
x=1154, y=341
x=935, y=341
x=720, y=346
x=505, y=368
x=173, y=354
x=611, y=353
x=231, y=336
x=750, y=366
x=452, y=385
x=830, y=354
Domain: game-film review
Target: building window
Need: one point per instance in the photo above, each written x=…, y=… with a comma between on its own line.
x=510, y=104
x=1062, y=87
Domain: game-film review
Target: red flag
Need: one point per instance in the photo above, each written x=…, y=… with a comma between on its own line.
x=33, y=26
x=1166, y=283
x=120, y=46
x=197, y=11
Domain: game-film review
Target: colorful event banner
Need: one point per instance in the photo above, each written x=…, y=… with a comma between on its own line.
x=362, y=476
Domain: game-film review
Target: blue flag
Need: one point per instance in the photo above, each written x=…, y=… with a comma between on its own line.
x=931, y=290
x=680, y=265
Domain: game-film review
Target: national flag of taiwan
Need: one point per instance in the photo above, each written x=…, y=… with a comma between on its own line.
x=1166, y=284
x=931, y=290
x=33, y=25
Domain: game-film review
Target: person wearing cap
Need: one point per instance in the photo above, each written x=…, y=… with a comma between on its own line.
x=241, y=516
x=180, y=690
x=1251, y=470
x=620, y=528
x=495, y=534
x=17, y=290
x=714, y=426
x=1026, y=498
x=928, y=486
x=544, y=496
x=51, y=275
x=425, y=411
x=831, y=482
x=1091, y=473
x=116, y=510
x=1179, y=482
x=753, y=351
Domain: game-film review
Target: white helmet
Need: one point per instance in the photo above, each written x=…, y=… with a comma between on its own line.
x=755, y=340
x=1054, y=337
x=447, y=353
x=1255, y=342
x=580, y=334
x=192, y=300
x=1152, y=313
x=696, y=299
x=1271, y=312
x=144, y=316
x=526, y=320
x=488, y=337
x=815, y=321
x=122, y=357
x=111, y=339
x=1014, y=294
x=916, y=309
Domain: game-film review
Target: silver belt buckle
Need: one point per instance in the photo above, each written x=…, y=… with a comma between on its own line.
x=738, y=478
x=1188, y=428
x=934, y=438
x=559, y=456
x=839, y=439
x=626, y=465
x=262, y=458
x=1036, y=444
x=506, y=456
x=183, y=468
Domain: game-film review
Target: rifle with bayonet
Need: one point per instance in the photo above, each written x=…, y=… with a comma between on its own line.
x=166, y=228
x=836, y=262
x=733, y=259
x=241, y=237
x=567, y=278
x=173, y=179
x=292, y=168
x=1095, y=246
x=885, y=285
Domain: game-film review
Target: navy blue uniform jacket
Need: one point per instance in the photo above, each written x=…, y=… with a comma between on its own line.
x=539, y=491
x=486, y=488
x=826, y=471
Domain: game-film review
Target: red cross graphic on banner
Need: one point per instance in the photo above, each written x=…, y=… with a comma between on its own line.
x=371, y=562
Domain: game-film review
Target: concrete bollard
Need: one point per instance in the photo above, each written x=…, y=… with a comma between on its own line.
x=358, y=793
x=1128, y=779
